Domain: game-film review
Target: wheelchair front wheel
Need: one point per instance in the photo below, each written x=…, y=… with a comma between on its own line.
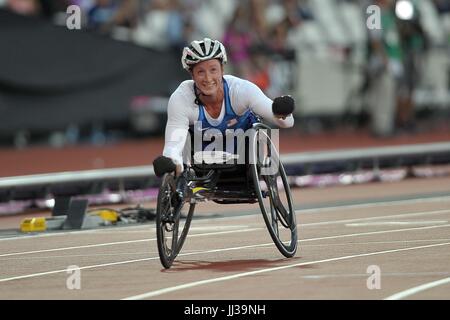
x=169, y=211
x=273, y=193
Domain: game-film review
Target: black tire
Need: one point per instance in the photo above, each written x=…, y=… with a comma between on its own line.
x=168, y=222
x=275, y=202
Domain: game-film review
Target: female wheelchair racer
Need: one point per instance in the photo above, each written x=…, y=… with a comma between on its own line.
x=248, y=172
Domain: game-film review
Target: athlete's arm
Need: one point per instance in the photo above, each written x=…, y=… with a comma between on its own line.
x=176, y=129
x=260, y=104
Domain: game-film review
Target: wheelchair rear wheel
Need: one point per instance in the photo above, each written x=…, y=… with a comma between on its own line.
x=169, y=222
x=273, y=193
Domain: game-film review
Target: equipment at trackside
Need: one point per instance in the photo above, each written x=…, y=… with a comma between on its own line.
x=76, y=217
x=76, y=214
x=33, y=225
x=41, y=224
x=107, y=215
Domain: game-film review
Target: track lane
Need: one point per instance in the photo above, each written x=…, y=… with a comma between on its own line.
x=324, y=234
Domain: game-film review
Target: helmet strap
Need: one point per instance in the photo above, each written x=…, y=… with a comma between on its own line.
x=197, y=100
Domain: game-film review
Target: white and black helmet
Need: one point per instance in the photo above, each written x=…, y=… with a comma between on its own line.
x=202, y=50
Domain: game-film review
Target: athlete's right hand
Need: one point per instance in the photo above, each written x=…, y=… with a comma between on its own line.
x=162, y=165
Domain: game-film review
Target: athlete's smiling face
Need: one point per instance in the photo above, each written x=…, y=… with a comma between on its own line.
x=208, y=76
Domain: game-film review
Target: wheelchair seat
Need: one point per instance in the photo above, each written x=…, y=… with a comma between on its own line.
x=224, y=164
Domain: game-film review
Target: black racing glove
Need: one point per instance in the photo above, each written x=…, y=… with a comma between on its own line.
x=162, y=165
x=283, y=106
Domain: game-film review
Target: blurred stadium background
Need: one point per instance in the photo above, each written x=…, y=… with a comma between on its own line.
x=96, y=97
x=111, y=79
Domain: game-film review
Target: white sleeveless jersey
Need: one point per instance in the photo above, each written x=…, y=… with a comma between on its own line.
x=182, y=112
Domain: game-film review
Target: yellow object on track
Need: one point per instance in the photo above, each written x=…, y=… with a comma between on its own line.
x=33, y=224
x=107, y=215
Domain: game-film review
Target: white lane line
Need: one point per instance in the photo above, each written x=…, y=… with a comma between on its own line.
x=144, y=253
x=83, y=256
x=74, y=247
x=371, y=243
x=374, y=232
x=364, y=275
x=155, y=293
x=377, y=204
x=356, y=206
x=200, y=251
x=53, y=234
x=243, y=230
x=302, y=211
x=402, y=215
x=34, y=275
x=121, y=242
x=412, y=291
x=217, y=228
x=219, y=250
x=129, y=261
x=396, y=223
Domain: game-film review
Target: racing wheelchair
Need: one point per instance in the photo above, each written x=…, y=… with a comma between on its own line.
x=261, y=179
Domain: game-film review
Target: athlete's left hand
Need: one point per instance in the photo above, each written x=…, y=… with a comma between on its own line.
x=283, y=106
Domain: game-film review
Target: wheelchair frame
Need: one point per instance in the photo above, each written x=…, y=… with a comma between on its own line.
x=208, y=182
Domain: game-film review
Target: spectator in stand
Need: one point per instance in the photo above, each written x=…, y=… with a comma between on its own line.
x=83, y=4
x=414, y=44
x=107, y=14
x=260, y=67
x=101, y=14
x=51, y=7
x=259, y=27
x=395, y=55
x=176, y=27
x=238, y=40
x=384, y=71
x=24, y=7
x=162, y=26
x=443, y=6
